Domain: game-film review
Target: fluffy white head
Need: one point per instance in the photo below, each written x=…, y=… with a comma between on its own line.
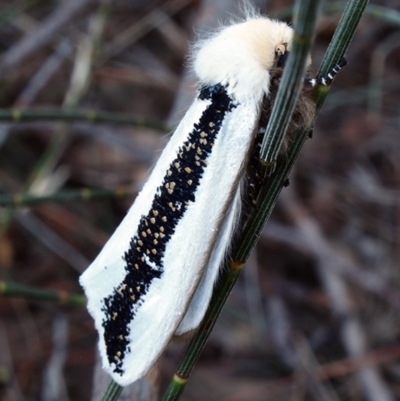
x=241, y=56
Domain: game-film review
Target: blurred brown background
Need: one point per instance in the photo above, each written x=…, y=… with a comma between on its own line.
x=315, y=315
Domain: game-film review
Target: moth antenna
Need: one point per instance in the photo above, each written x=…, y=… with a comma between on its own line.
x=328, y=78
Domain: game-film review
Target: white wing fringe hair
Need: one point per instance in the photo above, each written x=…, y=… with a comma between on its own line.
x=155, y=276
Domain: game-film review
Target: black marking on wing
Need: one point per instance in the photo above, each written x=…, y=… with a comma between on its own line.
x=144, y=258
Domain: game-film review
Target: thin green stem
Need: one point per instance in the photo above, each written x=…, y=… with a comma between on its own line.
x=17, y=115
x=305, y=15
x=340, y=42
x=227, y=282
x=242, y=248
x=18, y=290
x=112, y=393
x=84, y=194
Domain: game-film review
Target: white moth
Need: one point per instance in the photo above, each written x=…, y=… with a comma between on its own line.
x=154, y=277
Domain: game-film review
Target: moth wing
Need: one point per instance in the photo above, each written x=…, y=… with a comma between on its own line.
x=108, y=270
x=201, y=299
x=189, y=249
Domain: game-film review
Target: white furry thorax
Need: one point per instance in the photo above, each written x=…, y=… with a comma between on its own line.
x=241, y=56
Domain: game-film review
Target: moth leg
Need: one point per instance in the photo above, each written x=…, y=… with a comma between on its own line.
x=328, y=78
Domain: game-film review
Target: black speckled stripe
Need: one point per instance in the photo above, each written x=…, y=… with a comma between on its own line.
x=144, y=258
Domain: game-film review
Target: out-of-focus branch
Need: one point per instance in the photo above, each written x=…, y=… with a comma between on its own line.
x=44, y=34
x=351, y=331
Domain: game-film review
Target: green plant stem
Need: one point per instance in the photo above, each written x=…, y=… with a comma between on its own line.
x=340, y=42
x=17, y=115
x=227, y=282
x=241, y=250
x=18, y=290
x=84, y=194
x=112, y=392
x=305, y=15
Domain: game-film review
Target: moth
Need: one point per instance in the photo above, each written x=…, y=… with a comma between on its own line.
x=155, y=276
